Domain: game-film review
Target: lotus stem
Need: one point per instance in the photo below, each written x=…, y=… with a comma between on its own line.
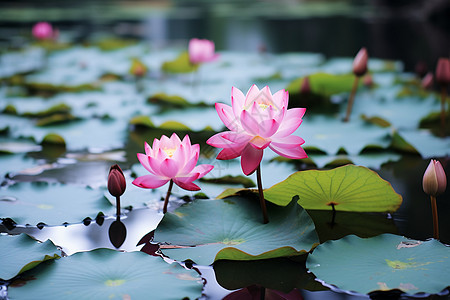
x=435, y=218
x=117, y=207
x=333, y=217
x=351, y=99
x=166, y=200
x=261, y=195
x=443, y=100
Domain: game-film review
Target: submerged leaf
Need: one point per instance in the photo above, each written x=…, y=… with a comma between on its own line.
x=347, y=188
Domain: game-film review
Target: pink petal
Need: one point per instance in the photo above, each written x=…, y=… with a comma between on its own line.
x=230, y=153
x=251, y=95
x=202, y=170
x=237, y=101
x=155, y=162
x=249, y=123
x=190, y=186
x=226, y=114
x=250, y=160
x=179, y=155
x=289, y=141
x=144, y=160
x=175, y=139
x=291, y=121
x=279, y=99
x=149, y=181
x=294, y=153
x=228, y=139
x=169, y=168
x=148, y=149
x=267, y=128
x=189, y=164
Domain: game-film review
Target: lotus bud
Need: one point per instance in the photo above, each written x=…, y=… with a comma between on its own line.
x=306, y=86
x=443, y=71
x=360, y=62
x=116, y=181
x=427, y=81
x=434, y=179
x=421, y=69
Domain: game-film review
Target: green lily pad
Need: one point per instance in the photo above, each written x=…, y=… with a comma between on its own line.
x=433, y=122
x=193, y=231
x=426, y=144
x=142, y=121
x=174, y=125
x=60, y=108
x=384, y=262
x=52, y=204
x=282, y=274
x=229, y=179
x=113, y=43
x=172, y=101
x=54, y=140
x=324, y=84
x=19, y=253
x=347, y=188
x=181, y=64
x=109, y=274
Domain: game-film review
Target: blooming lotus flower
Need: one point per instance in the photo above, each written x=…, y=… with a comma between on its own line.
x=171, y=159
x=434, y=179
x=360, y=62
x=42, y=31
x=256, y=121
x=201, y=51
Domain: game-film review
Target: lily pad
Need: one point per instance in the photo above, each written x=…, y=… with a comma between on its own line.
x=205, y=231
x=172, y=101
x=19, y=253
x=324, y=84
x=347, y=188
x=52, y=204
x=229, y=179
x=109, y=274
x=179, y=65
x=385, y=262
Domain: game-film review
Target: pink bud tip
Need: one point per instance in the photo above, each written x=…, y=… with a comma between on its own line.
x=360, y=62
x=434, y=179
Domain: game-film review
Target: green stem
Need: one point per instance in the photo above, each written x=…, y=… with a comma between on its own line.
x=351, y=99
x=261, y=195
x=435, y=218
x=443, y=100
x=166, y=200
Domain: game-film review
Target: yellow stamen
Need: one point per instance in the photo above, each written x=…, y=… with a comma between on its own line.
x=170, y=151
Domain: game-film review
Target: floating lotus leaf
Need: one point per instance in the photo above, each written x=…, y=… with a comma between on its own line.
x=138, y=68
x=19, y=253
x=282, y=274
x=52, y=204
x=142, y=121
x=172, y=101
x=427, y=145
x=209, y=230
x=109, y=274
x=113, y=43
x=179, y=65
x=324, y=84
x=348, y=188
x=384, y=262
x=331, y=135
x=229, y=179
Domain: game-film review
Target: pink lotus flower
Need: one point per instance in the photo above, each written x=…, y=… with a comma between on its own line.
x=201, y=51
x=434, y=179
x=171, y=159
x=43, y=31
x=257, y=121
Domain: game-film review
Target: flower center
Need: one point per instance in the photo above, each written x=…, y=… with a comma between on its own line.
x=169, y=151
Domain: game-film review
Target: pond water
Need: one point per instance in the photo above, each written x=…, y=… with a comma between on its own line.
x=87, y=83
